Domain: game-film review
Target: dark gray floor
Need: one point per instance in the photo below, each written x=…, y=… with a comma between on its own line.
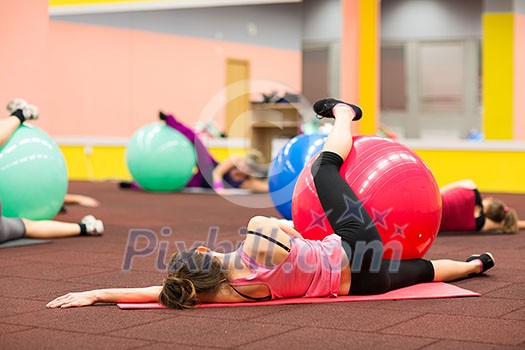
x=33, y=275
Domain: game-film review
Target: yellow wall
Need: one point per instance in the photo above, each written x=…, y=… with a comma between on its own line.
x=359, y=80
x=498, y=74
x=493, y=171
x=369, y=15
x=109, y=162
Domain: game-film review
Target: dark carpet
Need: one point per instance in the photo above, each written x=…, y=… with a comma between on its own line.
x=139, y=222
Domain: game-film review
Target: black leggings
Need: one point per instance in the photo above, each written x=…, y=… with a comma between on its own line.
x=371, y=274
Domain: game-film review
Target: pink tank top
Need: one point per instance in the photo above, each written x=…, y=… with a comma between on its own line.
x=311, y=269
x=458, y=211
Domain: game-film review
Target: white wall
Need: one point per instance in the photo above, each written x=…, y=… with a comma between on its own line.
x=277, y=25
x=400, y=19
x=321, y=20
x=431, y=19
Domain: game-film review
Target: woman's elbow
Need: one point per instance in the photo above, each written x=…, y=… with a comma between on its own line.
x=258, y=222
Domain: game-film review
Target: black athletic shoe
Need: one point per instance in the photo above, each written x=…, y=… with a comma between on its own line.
x=324, y=108
x=486, y=259
x=125, y=184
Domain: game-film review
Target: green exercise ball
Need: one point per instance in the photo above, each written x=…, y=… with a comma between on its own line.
x=160, y=158
x=33, y=175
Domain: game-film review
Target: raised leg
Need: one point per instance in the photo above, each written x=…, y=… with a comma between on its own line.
x=339, y=140
x=7, y=127
x=205, y=161
x=345, y=212
x=343, y=209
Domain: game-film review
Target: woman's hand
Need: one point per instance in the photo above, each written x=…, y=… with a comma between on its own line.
x=82, y=200
x=88, y=202
x=108, y=295
x=73, y=300
x=289, y=230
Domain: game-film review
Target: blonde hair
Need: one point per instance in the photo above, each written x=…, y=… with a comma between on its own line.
x=256, y=161
x=510, y=223
x=498, y=212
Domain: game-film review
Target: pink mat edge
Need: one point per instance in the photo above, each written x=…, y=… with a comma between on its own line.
x=438, y=290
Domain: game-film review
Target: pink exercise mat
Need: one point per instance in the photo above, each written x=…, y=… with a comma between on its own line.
x=419, y=291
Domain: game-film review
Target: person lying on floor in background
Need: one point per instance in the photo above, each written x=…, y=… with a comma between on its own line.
x=10, y=127
x=465, y=210
x=247, y=172
x=16, y=228
x=275, y=261
x=79, y=199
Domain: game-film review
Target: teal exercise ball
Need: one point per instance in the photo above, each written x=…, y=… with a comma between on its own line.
x=160, y=159
x=33, y=175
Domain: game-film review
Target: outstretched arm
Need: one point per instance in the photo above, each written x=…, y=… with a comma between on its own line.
x=81, y=200
x=116, y=295
x=468, y=184
x=256, y=185
x=221, y=169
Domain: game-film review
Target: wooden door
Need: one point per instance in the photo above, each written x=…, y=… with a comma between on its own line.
x=238, y=95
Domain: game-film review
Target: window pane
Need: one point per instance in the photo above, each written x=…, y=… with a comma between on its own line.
x=441, y=75
x=393, y=78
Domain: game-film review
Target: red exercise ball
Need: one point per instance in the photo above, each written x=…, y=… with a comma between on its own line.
x=396, y=188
